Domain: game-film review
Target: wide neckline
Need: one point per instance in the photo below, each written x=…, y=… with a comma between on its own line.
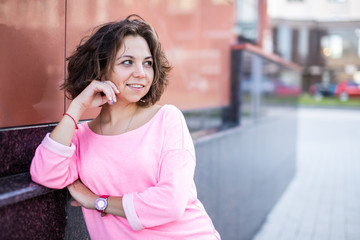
x=128, y=132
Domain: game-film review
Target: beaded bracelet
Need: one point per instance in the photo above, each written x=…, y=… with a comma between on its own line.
x=76, y=126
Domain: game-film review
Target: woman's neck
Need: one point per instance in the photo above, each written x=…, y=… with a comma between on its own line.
x=116, y=118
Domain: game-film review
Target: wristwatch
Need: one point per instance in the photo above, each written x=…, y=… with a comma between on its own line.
x=101, y=204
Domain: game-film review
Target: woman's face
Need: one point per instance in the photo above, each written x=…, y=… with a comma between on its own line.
x=133, y=71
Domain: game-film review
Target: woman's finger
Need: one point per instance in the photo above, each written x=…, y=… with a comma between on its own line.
x=107, y=90
x=112, y=90
x=97, y=94
x=116, y=90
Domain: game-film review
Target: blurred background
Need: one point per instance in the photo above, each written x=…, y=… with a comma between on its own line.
x=255, y=79
x=323, y=37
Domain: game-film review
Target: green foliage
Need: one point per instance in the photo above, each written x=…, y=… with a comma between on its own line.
x=309, y=100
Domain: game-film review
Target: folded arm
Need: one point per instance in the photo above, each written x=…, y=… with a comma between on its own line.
x=54, y=164
x=157, y=205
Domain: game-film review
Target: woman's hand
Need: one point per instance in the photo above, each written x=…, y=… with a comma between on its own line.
x=82, y=195
x=86, y=198
x=90, y=97
x=96, y=94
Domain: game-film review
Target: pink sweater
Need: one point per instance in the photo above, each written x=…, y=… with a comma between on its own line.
x=152, y=167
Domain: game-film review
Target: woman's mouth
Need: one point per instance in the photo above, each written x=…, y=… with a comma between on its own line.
x=135, y=86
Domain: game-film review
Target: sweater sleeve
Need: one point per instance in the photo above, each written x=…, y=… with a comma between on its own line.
x=166, y=201
x=54, y=164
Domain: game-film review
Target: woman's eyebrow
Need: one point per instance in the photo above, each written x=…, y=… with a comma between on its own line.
x=131, y=57
x=125, y=56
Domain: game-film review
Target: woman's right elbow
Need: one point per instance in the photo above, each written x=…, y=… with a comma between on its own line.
x=44, y=180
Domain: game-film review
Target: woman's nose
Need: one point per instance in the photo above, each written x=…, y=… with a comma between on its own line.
x=139, y=71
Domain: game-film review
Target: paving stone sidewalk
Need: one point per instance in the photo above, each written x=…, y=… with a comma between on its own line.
x=323, y=200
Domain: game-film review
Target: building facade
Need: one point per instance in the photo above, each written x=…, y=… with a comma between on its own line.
x=323, y=36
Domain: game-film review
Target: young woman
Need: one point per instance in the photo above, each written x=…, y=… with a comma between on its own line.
x=131, y=168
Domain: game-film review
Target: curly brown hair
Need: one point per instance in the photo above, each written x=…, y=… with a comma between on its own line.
x=95, y=56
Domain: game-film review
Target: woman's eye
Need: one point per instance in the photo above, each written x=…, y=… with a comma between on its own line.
x=126, y=62
x=149, y=63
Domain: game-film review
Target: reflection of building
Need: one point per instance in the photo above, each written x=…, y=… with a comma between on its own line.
x=326, y=42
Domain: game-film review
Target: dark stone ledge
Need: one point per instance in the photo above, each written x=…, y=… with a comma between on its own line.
x=18, y=147
x=18, y=188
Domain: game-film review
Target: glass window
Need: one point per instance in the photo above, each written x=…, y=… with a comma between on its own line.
x=303, y=45
x=342, y=42
x=284, y=39
x=332, y=46
x=247, y=19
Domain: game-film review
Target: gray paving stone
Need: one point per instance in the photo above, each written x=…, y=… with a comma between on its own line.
x=323, y=200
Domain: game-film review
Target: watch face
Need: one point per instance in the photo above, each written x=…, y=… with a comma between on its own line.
x=100, y=204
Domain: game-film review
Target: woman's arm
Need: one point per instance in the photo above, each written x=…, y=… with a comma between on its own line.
x=54, y=162
x=86, y=198
x=167, y=200
x=157, y=205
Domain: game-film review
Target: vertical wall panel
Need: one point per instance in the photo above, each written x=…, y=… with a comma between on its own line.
x=31, y=61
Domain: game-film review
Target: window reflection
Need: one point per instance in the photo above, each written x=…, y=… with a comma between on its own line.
x=332, y=46
x=267, y=88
